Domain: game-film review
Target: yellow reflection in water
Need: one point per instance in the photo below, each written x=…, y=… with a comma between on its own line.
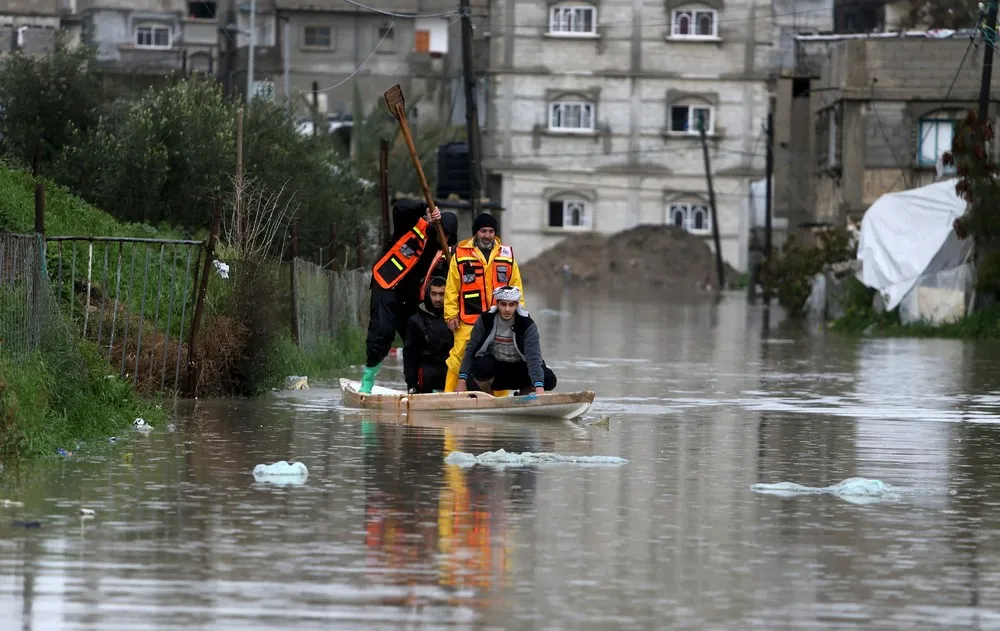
x=467, y=530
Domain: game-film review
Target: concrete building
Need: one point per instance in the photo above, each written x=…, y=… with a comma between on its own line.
x=595, y=113
x=150, y=36
x=880, y=119
x=30, y=25
x=332, y=46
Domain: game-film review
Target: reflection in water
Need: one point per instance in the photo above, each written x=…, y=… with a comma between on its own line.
x=384, y=534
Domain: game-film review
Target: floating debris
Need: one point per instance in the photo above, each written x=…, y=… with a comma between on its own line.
x=27, y=524
x=87, y=512
x=62, y=452
x=281, y=472
x=296, y=383
x=855, y=490
x=604, y=422
x=508, y=458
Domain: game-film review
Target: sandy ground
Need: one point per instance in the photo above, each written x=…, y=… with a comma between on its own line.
x=644, y=256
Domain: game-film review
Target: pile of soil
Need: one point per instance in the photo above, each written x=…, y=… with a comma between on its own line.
x=644, y=256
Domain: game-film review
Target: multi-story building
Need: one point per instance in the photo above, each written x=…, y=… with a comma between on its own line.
x=30, y=25
x=150, y=36
x=867, y=114
x=595, y=111
x=329, y=48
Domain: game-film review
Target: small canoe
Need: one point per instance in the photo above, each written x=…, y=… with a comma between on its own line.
x=555, y=405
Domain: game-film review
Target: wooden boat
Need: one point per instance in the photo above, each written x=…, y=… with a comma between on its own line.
x=554, y=405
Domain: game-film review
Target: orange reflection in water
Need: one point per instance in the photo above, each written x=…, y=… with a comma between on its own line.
x=472, y=538
x=462, y=542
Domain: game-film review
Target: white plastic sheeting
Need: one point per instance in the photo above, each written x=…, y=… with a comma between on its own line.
x=281, y=472
x=907, y=240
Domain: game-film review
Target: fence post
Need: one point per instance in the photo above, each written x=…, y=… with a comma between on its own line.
x=295, y=289
x=361, y=260
x=36, y=275
x=192, y=376
x=331, y=284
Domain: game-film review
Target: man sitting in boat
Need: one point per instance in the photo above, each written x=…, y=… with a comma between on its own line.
x=397, y=278
x=503, y=351
x=428, y=343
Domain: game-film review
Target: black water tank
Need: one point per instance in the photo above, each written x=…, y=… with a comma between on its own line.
x=452, y=170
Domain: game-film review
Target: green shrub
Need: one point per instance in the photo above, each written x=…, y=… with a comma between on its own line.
x=788, y=276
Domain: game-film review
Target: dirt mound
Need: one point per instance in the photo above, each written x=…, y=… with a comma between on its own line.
x=658, y=256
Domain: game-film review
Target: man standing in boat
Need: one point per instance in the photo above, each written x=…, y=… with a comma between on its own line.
x=397, y=278
x=504, y=352
x=428, y=343
x=480, y=265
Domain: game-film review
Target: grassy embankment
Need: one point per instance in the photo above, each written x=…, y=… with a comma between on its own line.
x=861, y=319
x=62, y=394
x=39, y=412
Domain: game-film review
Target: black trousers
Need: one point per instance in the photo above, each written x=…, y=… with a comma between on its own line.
x=431, y=377
x=507, y=375
x=388, y=314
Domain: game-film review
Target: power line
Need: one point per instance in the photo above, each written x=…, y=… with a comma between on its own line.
x=408, y=16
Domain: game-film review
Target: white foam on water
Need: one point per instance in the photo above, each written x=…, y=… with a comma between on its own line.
x=854, y=490
x=509, y=458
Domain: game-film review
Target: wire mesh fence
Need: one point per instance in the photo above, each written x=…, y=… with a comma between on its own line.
x=327, y=300
x=131, y=297
x=30, y=318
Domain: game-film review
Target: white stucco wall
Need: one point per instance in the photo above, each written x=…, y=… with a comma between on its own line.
x=629, y=169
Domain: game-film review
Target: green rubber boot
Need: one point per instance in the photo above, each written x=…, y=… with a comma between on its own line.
x=368, y=378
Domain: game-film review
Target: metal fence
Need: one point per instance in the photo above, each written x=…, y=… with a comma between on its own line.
x=30, y=319
x=132, y=297
x=326, y=301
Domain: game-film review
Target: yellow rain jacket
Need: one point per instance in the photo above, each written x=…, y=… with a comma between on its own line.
x=475, y=288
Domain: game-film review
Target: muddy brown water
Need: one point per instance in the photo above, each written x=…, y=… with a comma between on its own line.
x=384, y=535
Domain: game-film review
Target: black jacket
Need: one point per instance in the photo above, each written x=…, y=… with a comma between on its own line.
x=428, y=341
x=405, y=214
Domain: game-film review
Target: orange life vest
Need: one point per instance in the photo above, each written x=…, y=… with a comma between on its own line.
x=401, y=257
x=474, y=296
x=430, y=272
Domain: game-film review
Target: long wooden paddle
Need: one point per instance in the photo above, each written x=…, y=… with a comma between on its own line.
x=394, y=99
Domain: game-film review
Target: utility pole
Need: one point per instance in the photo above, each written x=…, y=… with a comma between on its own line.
x=286, y=60
x=252, y=44
x=471, y=110
x=769, y=174
x=990, y=35
x=315, y=99
x=711, y=200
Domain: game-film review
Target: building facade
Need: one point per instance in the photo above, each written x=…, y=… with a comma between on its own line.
x=883, y=115
x=150, y=36
x=329, y=48
x=594, y=116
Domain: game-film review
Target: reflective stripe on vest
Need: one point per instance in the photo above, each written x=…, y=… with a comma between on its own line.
x=401, y=257
x=473, y=297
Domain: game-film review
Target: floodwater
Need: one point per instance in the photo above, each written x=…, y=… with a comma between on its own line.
x=385, y=535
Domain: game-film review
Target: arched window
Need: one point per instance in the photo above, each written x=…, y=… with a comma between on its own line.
x=571, y=115
x=695, y=23
x=693, y=217
x=569, y=214
x=678, y=214
x=687, y=118
x=573, y=20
